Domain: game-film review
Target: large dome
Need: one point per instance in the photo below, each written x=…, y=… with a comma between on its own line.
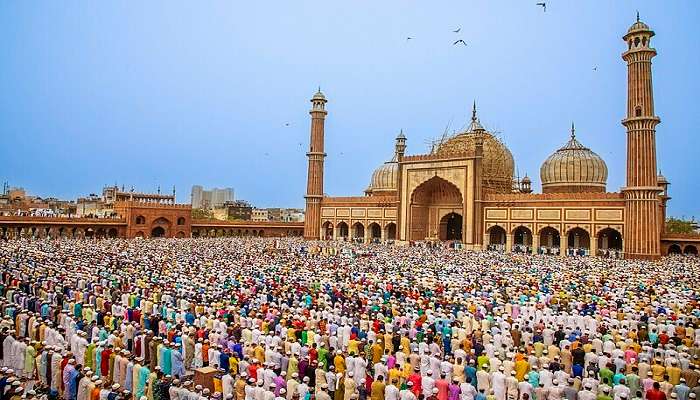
x=385, y=178
x=497, y=164
x=573, y=168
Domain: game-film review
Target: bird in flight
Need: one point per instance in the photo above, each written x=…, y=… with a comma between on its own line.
x=286, y=124
x=595, y=68
x=457, y=30
x=544, y=6
x=460, y=41
x=409, y=38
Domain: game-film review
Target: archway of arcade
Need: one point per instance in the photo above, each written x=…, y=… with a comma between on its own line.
x=609, y=239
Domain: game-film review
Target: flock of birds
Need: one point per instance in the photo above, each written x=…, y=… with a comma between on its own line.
x=461, y=42
x=458, y=42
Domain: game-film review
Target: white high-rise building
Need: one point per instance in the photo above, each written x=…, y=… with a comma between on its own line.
x=213, y=198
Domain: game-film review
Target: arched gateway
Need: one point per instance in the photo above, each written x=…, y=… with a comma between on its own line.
x=428, y=201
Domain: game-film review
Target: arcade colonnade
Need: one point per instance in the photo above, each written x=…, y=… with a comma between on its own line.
x=576, y=240
x=683, y=248
x=243, y=232
x=58, y=232
x=365, y=232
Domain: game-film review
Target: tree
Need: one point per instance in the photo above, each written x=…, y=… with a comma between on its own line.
x=677, y=225
x=200, y=213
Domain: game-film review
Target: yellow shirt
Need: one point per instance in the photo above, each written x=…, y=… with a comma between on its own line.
x=260, y=353
x=377, y=392
x=658, y=372
x=674, y=375
x=339, y=363
x=394, y=374
x=522, y=367
x=406, y=344
x=377, y=352
x=353, y=347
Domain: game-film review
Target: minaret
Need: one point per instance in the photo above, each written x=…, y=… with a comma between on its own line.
x=642, y=218
x=314, y=177
x=477, y=240
x=400, y=146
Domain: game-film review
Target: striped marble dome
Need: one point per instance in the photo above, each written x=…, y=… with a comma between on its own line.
x=573, y=168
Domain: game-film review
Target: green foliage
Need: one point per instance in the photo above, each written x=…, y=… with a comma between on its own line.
x=677, y=225
x=200, y=213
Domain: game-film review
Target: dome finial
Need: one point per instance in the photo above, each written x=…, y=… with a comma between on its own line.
x=573, y=130
x=637, y=15
x=474, y=112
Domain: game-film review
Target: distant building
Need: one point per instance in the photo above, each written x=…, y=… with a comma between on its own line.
x=112, y=194
x=260, y=215
x=197, y=196
x=292, y=215
x=213, y=198
x=285, y=214
x=92, y=205
x=239, y=210
x=16, y=201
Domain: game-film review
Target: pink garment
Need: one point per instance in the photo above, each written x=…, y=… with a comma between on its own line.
x=443, y=389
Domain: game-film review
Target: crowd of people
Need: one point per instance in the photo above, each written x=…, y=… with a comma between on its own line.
x=281, y=320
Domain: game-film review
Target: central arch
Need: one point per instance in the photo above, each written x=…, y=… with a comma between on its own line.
x=451, y=227
x=161, y=224
x=158, y=232
x=426, y=202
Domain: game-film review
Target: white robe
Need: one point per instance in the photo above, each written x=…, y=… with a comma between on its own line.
x=227, y=383
x=18, y=352
x=7, y=346
x=198, y=361
x=498, y=384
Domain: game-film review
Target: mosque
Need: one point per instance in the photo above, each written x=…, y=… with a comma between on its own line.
x=464, y=189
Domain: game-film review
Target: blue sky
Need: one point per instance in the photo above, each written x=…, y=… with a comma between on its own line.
x=181, y=93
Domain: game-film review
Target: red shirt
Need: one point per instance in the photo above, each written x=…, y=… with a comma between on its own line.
x=654, y=394
x=417, y=380
x=104, y=362
x=253, y=371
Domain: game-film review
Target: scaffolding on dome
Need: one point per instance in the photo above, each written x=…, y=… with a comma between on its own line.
x=498, y=163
